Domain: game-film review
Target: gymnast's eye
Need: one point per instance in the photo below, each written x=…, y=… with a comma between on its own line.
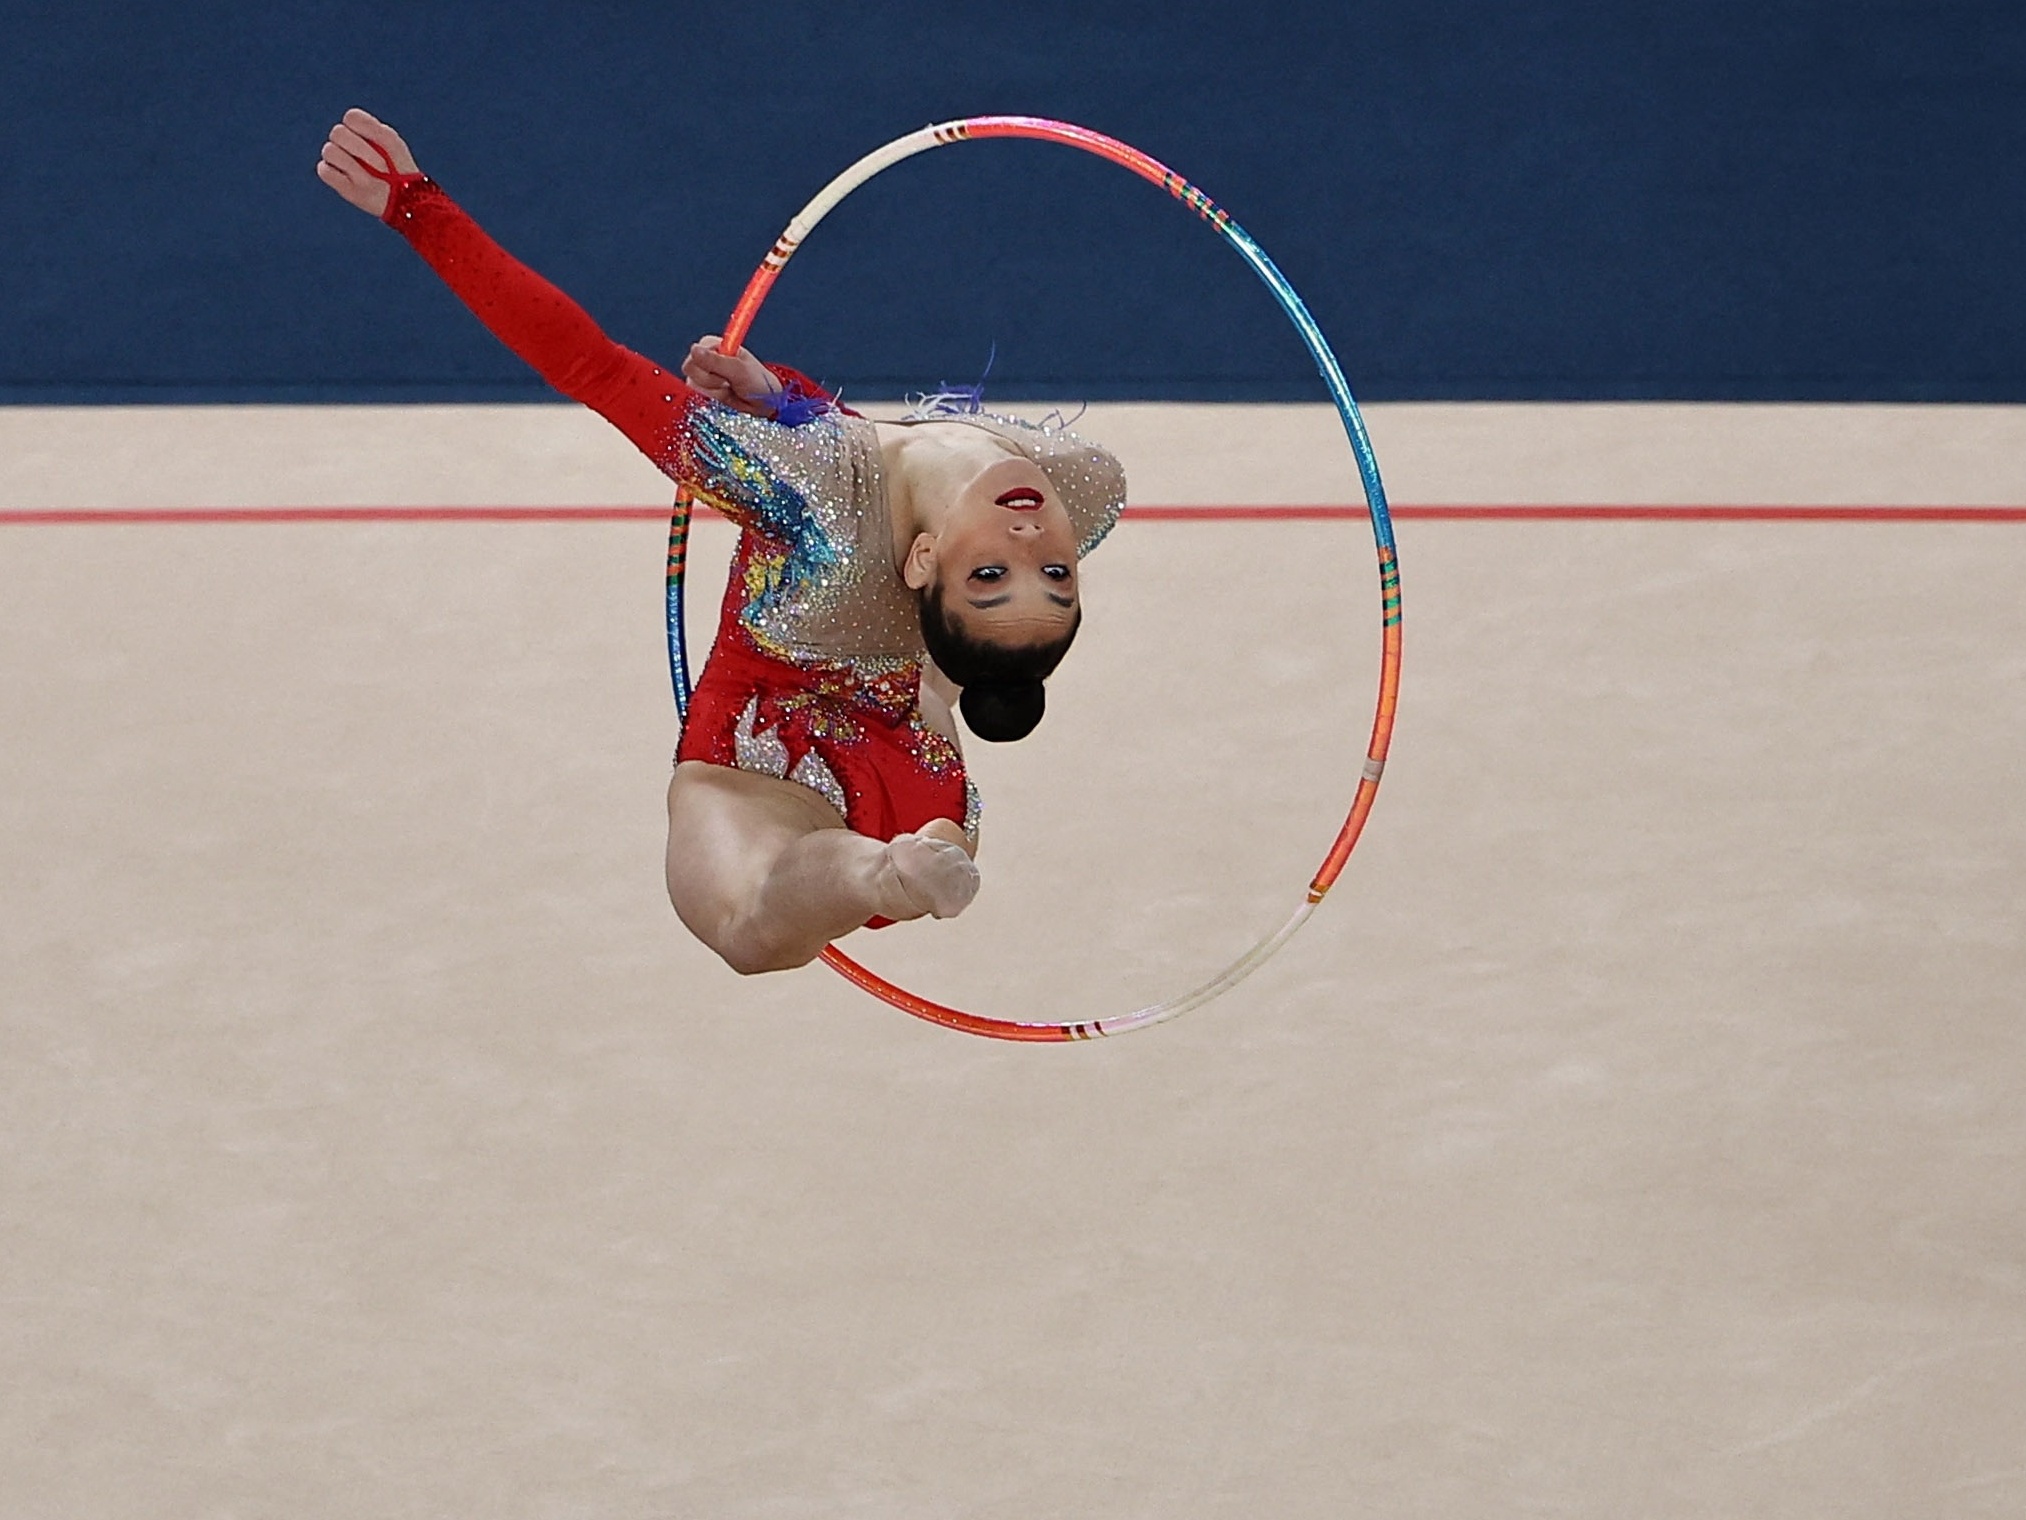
x=989, y=573
x=1056, y=572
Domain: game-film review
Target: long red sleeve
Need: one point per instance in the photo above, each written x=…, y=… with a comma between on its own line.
x=538, y=322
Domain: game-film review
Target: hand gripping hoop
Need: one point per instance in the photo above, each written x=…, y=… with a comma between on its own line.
x=1126, y=157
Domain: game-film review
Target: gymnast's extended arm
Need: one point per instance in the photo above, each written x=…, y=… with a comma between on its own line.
x=367, y=162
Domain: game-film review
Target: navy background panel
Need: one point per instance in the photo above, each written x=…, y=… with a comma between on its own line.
x=1775, y=199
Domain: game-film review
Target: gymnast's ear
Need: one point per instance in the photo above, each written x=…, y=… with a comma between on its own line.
x=918, y=570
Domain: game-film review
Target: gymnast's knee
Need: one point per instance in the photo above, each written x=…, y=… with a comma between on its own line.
x=752, y=951
x=742, y=938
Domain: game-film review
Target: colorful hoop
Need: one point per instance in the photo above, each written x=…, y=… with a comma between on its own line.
x=1126, y=157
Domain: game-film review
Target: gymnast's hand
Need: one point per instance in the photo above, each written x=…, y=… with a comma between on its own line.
x=360, y=159
x=738, y=380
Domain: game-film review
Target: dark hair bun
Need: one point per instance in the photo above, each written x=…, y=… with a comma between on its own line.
x=1002, y=713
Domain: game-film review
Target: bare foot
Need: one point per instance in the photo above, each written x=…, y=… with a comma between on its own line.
x=933, y=876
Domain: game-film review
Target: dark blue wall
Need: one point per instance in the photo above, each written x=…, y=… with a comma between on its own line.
x=1775, y=199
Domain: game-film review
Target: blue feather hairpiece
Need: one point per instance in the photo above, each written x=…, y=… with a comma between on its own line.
x=948, y=400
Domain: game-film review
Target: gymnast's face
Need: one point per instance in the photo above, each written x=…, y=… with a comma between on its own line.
x=1005, y=560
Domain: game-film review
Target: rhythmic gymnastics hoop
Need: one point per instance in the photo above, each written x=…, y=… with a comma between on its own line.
x=1109, y=148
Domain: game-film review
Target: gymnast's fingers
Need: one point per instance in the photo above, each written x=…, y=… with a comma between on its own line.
x=707, y=362
x=695, y=373
x=359, y=147
x=341, y=159
x=707, y=384
x=373, y=130
x=369, y=195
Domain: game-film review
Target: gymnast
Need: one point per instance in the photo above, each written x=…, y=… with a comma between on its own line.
x=886, y=573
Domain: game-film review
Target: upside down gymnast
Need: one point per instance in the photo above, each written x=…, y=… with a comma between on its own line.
x=886, y=573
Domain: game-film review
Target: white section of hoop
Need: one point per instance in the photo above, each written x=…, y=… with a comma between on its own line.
x=880, y=159
x=1216, y=987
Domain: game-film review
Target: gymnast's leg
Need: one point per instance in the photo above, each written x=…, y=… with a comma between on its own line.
x=766, y=873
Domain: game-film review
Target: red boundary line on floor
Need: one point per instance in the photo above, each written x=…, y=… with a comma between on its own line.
x=1484, y=513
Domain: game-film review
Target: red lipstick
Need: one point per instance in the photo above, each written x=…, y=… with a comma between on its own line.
x=1020, y=499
